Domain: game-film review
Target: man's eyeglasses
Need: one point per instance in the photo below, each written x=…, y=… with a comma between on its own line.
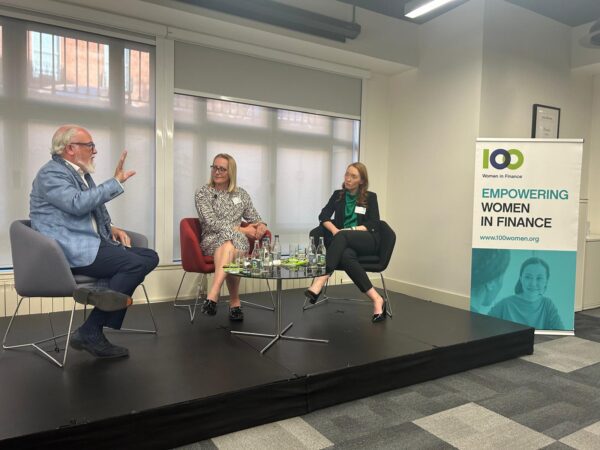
x=90, y=145
x=218, y=169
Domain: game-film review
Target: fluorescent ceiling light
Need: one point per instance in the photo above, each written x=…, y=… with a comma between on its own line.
x=418, y=8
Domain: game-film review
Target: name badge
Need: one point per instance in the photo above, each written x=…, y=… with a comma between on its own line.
x=360, y=210
x=236, y=200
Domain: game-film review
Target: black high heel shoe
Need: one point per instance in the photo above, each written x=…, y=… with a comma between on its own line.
x=381, y=316
x=236, y=314
x=311, y=296
x=209, y=307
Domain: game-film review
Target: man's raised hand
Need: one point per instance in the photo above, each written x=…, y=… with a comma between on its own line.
x=121, y=174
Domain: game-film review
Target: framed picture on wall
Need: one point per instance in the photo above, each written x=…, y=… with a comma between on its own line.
x=546, y=122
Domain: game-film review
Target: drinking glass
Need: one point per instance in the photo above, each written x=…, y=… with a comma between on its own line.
x=301, y=255
x=240, y=258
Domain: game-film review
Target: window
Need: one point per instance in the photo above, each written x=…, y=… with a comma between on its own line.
x=75, y=70
x=138, y=82
x=288, y=161
x=237, y=114
x=60, y=76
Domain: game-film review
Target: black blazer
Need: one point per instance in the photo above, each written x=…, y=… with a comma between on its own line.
x=337, y=206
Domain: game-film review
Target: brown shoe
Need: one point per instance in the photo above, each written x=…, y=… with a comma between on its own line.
x=103, y=299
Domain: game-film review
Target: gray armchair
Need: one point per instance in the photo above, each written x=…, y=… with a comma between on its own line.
x=375, y=263
x=41, y=270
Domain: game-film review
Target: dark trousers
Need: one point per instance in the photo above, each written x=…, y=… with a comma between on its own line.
x=125, y=268
x=344, y=251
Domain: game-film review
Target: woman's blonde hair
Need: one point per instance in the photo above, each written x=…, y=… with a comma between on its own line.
x=231, y=170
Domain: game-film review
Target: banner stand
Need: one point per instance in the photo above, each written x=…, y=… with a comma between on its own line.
x=525, y=225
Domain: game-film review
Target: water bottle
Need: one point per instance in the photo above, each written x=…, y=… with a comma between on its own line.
x=276, y=251
x=312, y=253
x=266, y=253
x=255, y=258
x=321, y=253
x=266, y=244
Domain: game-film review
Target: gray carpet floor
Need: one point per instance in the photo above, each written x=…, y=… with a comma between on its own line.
x=550, y=399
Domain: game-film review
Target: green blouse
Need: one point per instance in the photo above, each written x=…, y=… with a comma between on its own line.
x=350, y=218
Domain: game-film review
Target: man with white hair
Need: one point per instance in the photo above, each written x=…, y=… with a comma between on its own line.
x=66, y=205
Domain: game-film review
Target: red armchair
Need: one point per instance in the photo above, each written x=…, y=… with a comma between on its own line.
x=194, y=261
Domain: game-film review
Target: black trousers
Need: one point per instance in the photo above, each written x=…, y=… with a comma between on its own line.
x=124, y=267
x=343, y=253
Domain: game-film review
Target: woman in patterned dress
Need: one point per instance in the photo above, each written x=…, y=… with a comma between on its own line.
x=222, y=205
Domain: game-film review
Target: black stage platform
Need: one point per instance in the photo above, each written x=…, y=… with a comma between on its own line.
x=196, y=381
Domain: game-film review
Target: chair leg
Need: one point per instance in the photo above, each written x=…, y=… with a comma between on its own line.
x=56, y=347
x=201, y=291
x=256, y=305
x=134, y=330
x=271, y=294
x=150, y=309
x=35, y=345
x=191, y=308
x=386, y=297
x=4, y=346
x=178, y=289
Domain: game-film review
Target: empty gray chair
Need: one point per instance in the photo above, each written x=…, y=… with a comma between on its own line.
x=41, y=270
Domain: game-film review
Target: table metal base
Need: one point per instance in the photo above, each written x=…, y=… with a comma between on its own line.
x=276, y=337
x=279, y=333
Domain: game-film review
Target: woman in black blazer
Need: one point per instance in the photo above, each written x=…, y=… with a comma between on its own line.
x=353, y=232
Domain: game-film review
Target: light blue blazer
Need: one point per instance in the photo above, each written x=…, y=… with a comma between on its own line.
x=59, y=208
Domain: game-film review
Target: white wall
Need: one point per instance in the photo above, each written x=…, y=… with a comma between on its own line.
x=482, y=67
x=434, y=124
x=375, y=135
x=594, y=161
x=585, y=59
x=527, y=60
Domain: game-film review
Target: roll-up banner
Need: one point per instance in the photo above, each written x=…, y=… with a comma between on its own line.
x=525, y=223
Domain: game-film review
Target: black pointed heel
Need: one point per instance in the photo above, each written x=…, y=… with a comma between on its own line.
x=380, y=317
x=311, y=296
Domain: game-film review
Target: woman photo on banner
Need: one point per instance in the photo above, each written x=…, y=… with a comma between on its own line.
x=529, y=305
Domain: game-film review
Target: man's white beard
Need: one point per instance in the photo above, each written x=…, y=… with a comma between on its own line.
x=87, y=168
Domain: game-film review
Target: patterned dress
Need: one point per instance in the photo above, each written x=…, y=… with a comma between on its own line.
x=219, y=213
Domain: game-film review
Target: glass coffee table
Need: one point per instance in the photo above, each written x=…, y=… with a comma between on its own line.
x=280, y=273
